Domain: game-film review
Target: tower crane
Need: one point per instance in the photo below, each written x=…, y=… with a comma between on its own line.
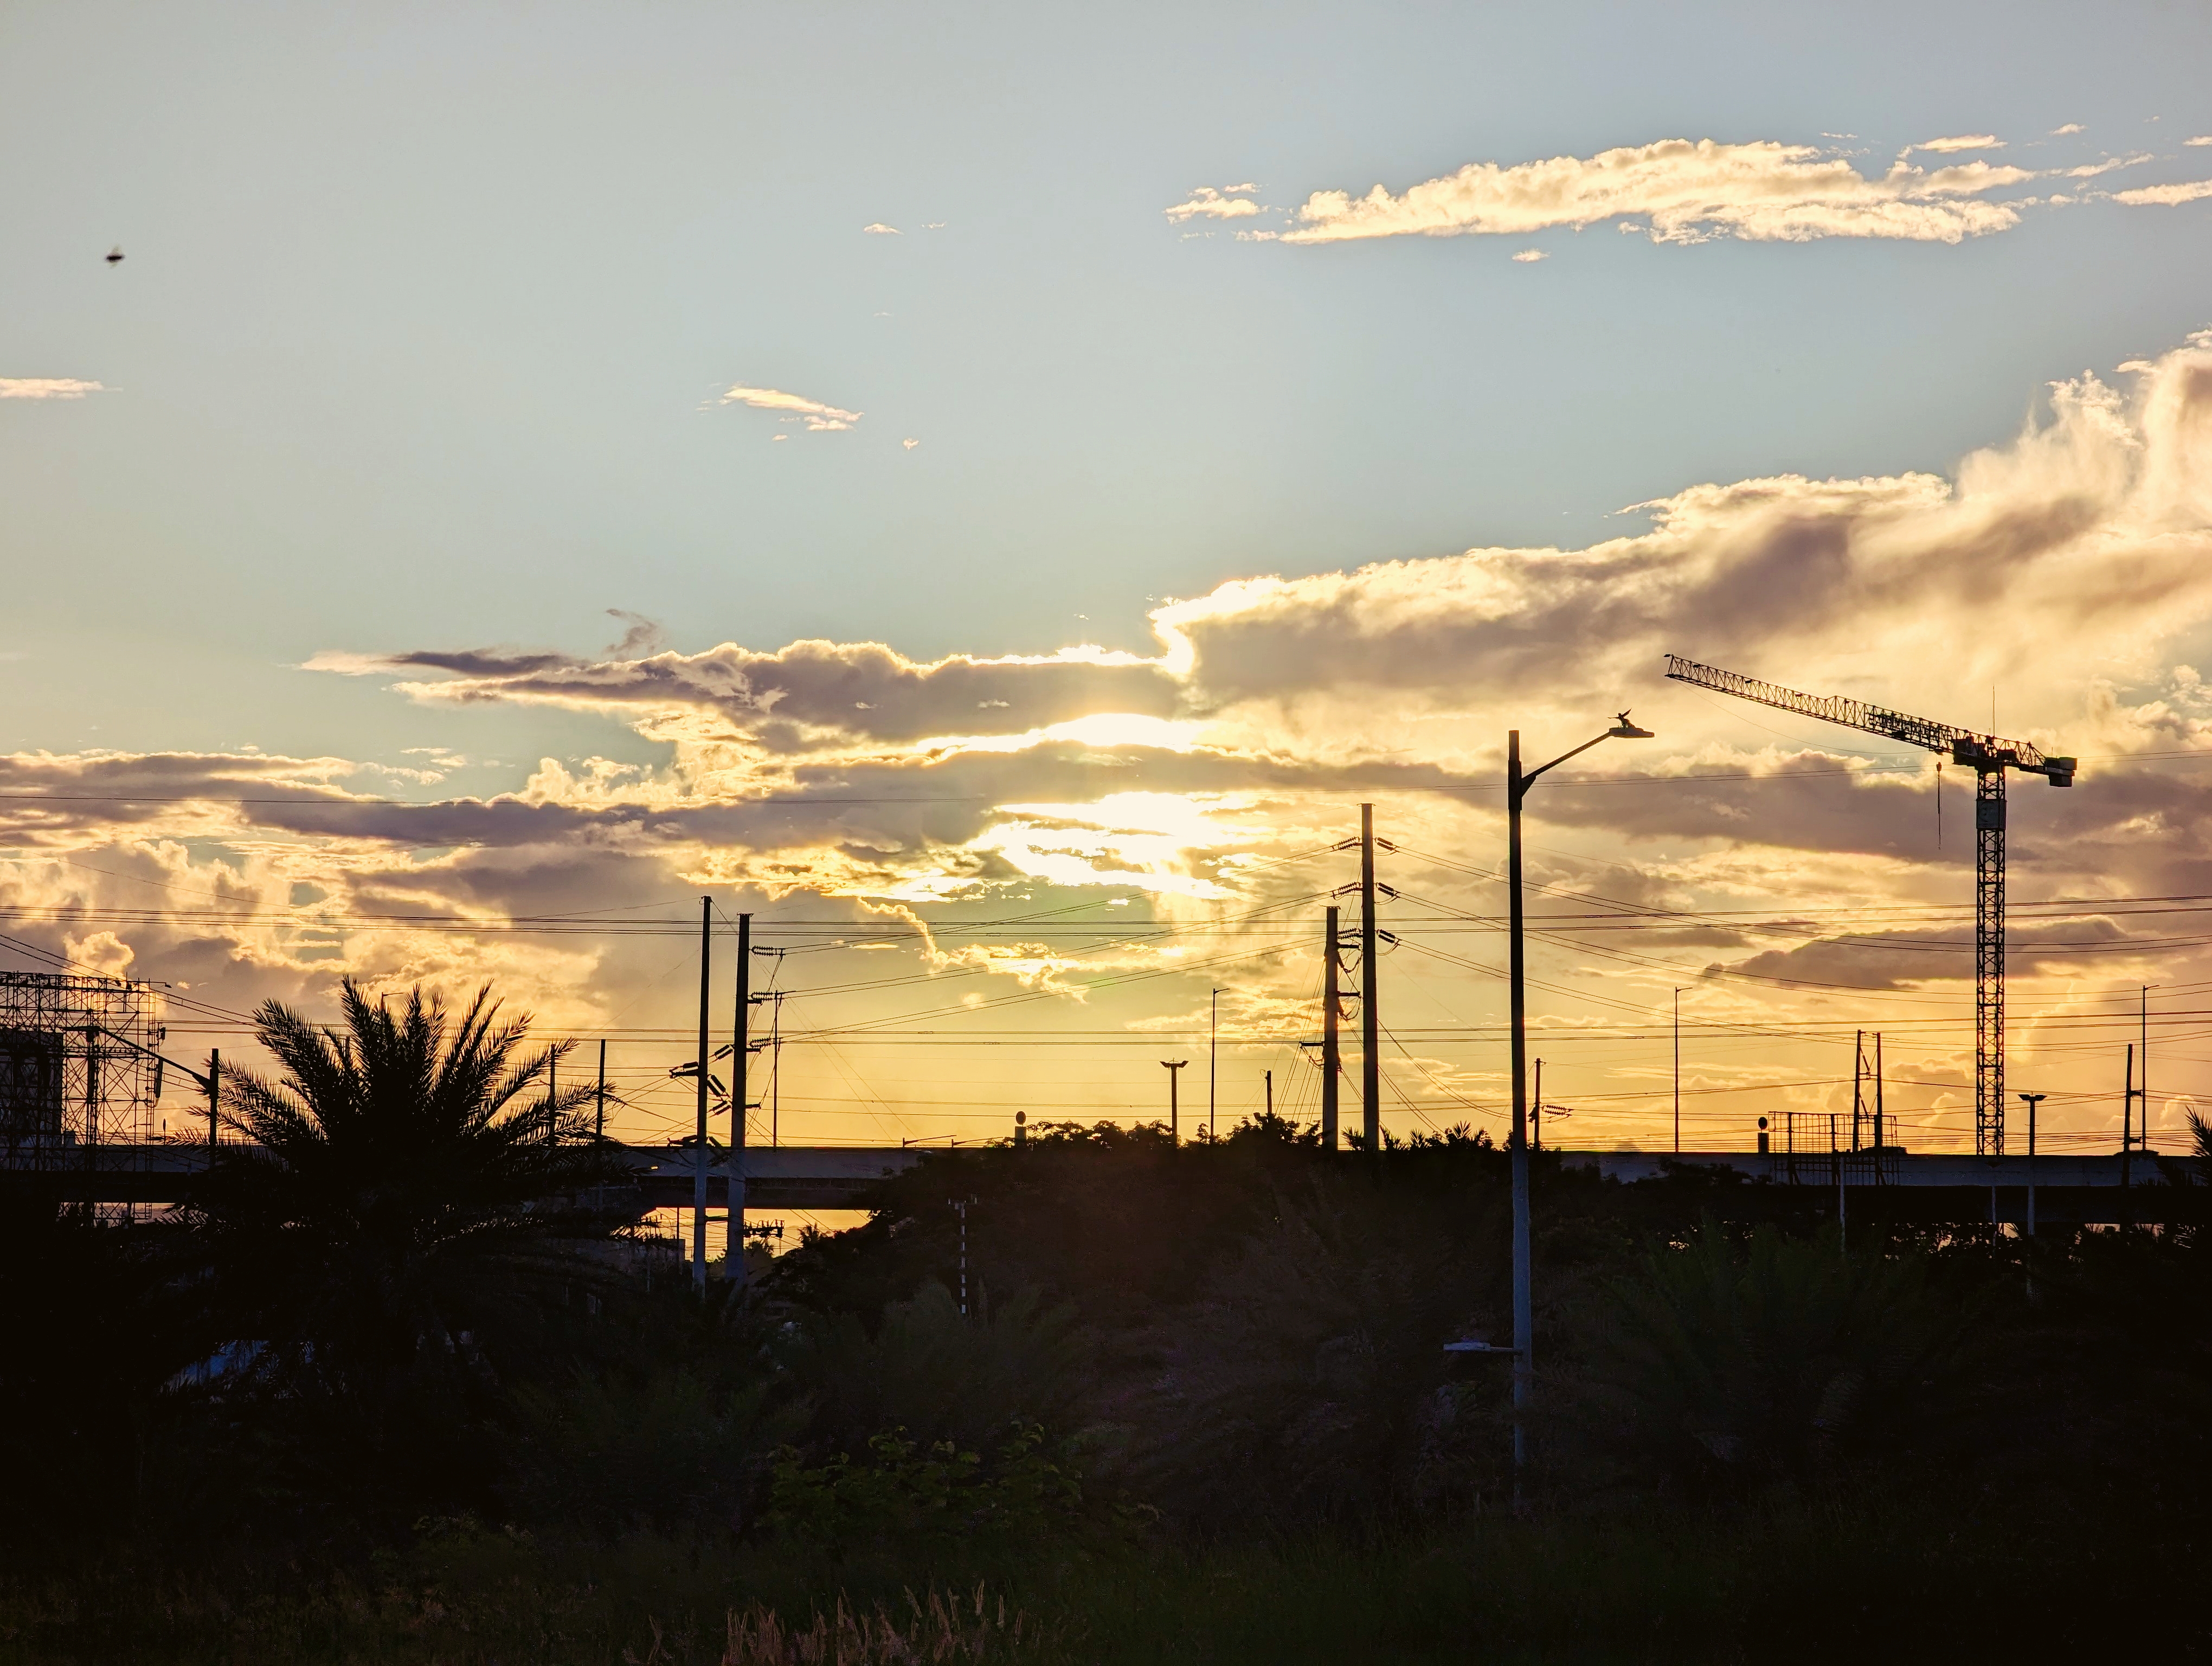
x=1988, y=757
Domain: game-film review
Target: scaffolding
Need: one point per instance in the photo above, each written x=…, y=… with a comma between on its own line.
x=1823, y=1148
x=77, y=1065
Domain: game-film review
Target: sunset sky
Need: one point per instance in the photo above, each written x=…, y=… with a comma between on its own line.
x=991, y=491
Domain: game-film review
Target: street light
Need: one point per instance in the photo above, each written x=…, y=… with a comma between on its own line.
x=1517, y=784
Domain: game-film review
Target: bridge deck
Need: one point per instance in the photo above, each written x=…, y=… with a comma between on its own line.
x=1929, y=1186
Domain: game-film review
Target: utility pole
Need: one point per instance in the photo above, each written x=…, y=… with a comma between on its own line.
x=2033, y=1100
x=961, y=1205
x=699, y=1151
x=2127, y=1118
x=1678, y=1073
x=2143, y=1133
x=775, y=1068
x=1212, y=1059
x=1370, y=1057
x=1536, y=1112
x=1271, y=1095
x=599, y=1117
x=733, y=1244
x=1878, y=1130
x=1331, y=1060
x=1858, y=1082
x=214, y=1101
x=1175, y=1122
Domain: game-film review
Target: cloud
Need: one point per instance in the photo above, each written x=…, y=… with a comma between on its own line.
x=2069, y=565
x=1963, y=141
x=880, y=229
x=1527, y=256
x=47, y=387
x=1207, y=203
x=2070, y=127
x=641, y=635
x=2202, y=138
x=2192, y=191
x=908, y=445
x=1678, y=191
x=818, y=417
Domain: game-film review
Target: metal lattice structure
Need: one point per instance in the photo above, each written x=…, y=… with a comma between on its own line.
x=1988, y=757
x=76, y=1064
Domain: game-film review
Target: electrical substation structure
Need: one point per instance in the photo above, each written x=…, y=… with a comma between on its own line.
x=77, y=1066
x=1988, y=757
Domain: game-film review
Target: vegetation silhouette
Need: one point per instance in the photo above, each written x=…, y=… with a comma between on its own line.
x=393, y=1382
x=401, y=1223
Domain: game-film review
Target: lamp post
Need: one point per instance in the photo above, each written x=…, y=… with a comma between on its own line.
x=1517, y=783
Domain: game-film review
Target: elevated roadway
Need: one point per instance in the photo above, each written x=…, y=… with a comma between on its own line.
x=1925, y=1186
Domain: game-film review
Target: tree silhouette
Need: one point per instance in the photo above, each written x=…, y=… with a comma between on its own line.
x=409, y=1214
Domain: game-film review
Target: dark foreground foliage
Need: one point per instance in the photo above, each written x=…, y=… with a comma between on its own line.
x=350, y=1405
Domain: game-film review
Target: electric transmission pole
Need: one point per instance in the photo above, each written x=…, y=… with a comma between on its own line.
x=733, y=1253
x=1371, y=1057
x=1332, y=1059
x=699, y=1151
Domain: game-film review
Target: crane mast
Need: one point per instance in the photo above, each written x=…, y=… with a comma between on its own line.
x=1988, y=757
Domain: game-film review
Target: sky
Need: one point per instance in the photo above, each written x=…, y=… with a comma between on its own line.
x=990, y=491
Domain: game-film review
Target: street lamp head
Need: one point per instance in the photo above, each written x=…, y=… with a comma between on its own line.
x=1625, y=730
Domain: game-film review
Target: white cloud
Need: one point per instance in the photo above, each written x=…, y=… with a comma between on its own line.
x=880, y=229
x=818, y=417
x=1678, y=191
x=1532, y=255
x=1962, y=142
x=2188, y=191
x=1229, y=203
x=2202, y=138
x=910, y=444
x=2070, y=127
x=2091, y=170
x=47, y=387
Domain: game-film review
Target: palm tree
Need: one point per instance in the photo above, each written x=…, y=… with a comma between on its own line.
x=408, y=1212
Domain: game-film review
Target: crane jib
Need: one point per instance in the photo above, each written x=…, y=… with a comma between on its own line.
x=1975, y=751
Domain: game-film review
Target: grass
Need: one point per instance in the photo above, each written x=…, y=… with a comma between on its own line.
x=1803, y=1577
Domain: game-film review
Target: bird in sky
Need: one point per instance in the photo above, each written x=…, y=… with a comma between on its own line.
x=115, y=255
